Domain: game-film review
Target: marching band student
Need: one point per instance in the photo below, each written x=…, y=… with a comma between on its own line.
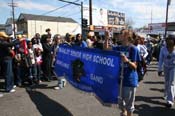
x=130, y=77
x=167, y=62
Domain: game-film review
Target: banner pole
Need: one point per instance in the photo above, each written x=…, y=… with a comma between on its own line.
x=121, y=84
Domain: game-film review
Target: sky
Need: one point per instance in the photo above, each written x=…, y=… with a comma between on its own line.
x=139, y=11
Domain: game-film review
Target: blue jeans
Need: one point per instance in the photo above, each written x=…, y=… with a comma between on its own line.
x=17, y=73
x=8, y=74
x=32, y=71
x=38, y=72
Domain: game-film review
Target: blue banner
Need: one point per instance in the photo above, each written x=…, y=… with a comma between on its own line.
x=90, y=70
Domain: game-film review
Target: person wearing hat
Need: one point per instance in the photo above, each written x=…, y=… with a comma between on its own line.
x=167, y=65
x=6, y=60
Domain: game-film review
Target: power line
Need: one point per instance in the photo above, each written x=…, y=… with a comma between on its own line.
x=75, y=9
x=72, y=14
x=58, y=8
x=64, y=13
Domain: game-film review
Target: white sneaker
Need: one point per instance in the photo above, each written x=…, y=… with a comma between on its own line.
x=1, y=95
x=12, y=90
x=56, y=88
x=14, y=86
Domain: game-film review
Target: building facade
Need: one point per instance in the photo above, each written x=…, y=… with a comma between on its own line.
x=9, y=26
x=30, y=24
x=2, y=27
x=159, y=28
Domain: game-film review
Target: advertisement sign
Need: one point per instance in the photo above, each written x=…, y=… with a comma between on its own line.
x=99, y=16
x=104, y=17
x=116, y=18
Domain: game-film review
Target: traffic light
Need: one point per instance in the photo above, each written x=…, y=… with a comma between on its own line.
x=84, y=23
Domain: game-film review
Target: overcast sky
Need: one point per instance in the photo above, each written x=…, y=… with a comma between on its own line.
x=137, y=10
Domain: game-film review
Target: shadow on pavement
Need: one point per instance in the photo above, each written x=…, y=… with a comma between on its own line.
x=152, y=100
x=42, y=86
x=150, y=82
x=147, y=110
x=47, y=106
x=159, y=90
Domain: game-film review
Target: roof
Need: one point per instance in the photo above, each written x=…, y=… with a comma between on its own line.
x=45, y=18
x=2, y=27
x=10, y=21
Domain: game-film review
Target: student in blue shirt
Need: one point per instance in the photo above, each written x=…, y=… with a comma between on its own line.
x=130, y=76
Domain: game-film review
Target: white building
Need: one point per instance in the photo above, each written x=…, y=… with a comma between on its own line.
x=9, y=26
x=30, y=24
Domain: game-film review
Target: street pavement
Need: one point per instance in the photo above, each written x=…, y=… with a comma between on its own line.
x=45, y=101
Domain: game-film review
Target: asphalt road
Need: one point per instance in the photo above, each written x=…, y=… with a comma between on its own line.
x=45, y=101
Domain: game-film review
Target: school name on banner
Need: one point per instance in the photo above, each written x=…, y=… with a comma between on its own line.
x=90, y=70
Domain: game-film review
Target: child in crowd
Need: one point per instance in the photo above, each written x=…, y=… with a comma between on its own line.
x=32, y=64
x=38, y=64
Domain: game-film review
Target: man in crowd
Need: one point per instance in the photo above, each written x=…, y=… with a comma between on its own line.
x=6, y=54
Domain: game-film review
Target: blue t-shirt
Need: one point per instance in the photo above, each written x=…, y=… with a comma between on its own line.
x=84, y=44
x=130, y=75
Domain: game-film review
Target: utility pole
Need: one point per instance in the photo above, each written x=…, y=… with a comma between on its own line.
x=82, y=18
x=166, y=20
x=151, y=20
x=13, y=5
x=90, y=12
x=151, y=15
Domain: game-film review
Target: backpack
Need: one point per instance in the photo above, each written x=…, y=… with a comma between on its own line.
x=141, y=66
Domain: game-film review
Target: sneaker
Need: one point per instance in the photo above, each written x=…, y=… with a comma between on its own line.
x=39, y=81
x=12, y=90
x=169, y=104
x=1, y=95
x=56, y=88
x=14, y=86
